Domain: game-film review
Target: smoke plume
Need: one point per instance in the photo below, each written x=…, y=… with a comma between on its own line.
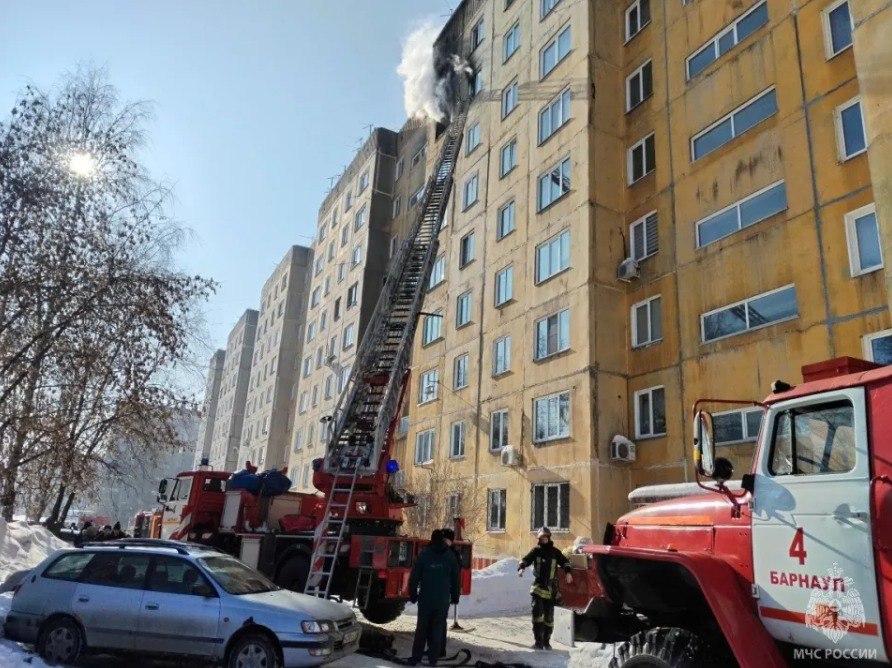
x=425, y=94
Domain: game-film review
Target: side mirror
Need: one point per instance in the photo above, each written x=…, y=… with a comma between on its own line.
x=162, y=491
x=202, y=590
x=704, y=451
x=723, y=470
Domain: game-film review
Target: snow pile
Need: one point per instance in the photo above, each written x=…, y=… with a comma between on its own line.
x=13, y=655
x=23, y=546
x=590, y=655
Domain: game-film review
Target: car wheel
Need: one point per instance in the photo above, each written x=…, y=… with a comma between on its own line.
x=661, y=648
x=253, y=650
x=60, y=641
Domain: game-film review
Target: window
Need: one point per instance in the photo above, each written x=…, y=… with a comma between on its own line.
x=498, y=430
x=551, y=417
x=650, y=412
x=334, y=218
x=814, y=440
x=510, y=98
x=850, y=134
x=508, y=158
x=477, y=34
x=639, y=86
x=552, y=335
x=472, y=137
x=310, y=430
x=394, y=246
x=470, y=191
x=323, y=321
x=311, y=331
x=496, y=504
x=504, y=285
x=463, y=309
x=641, y=159
x=342, y=269
x=308, y=365
x=431, y=328
x=357, y=255
x=337, y=308
x=476, y=83
x=352, y=295
x=416, y=197
x=878, y=347
x=501, y=355
x=505, y=223
x=364, y=181
x=397, y=205
x=457, y=440
x=419, y=156
x=304, y=402
x=637, y=17
x=314, y=401
x=547, y=6
x=349, y=336
x=748, y=211
x=329, y=387
x=345, y=234
x=644, y=236
x=554, y=52
x=553, y=117
x=863, y=235
x=727, y=39
x=69, y=566
x=128, y=571
x=511, y=42
x=424, y=447
x=738, y=426
x=331, y=251
x=399, y=170
x=327, y=289
x=837, y=28
x=553, y=256
x=453, y=506
x=753, y=313
x=551, y=506
x=306, y=475
x=428, y=386
x=298, y=439
x=323, y=232
x=348, y=201
x=460, y=372
x=733, y=125
x=554, y=185
x=344, y=379
x=314, y=300
x=647, y=324
x=359, y=218
x=438, y=273
x=466, y=249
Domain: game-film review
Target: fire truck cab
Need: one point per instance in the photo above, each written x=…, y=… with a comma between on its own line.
x=795, y=563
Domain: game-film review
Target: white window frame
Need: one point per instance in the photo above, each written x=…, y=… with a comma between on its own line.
x=511, y=93
x=852, y=240
x=438, y=273
x=714, y=41
x=747, y=436
x=465, y=298
x=511, y=149
x=737, y=205
x=467, y=241
x=430, y=333
x=399, y=170
x=396, y=207
x=557, y=436
x=512, y=206
x=463, y=360
x=730, y=115
x=416, y=197
x=650, y=322
x=546, y=7
x=501, y=416
x=828, y=37
x=840, y=134
x=555, y=42
x=356, y=258
x=503, y=342
x=558, y=101
x=364, y=181
x=640, y=144
x=461, y=432
x=642, y=222
x=641, y=26
x=419, y=156
x=472, y=138
x=559, y=349
x=394, y=246
x=477, y=35
x=500, y=496
x=703, y=316
x=429, y=379
x=629, y=83
x=354, y=290
x=557, y=238
x=473, y=183
x=652, y=433
x=349, y=336
x=557, y=167
x=545, y=485
x=868, y=339
x=511, y=38
x=504, y=286
x=428, y=437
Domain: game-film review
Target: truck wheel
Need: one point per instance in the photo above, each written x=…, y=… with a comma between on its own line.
x=382, y=611
x=294, y=572
x=661, y=648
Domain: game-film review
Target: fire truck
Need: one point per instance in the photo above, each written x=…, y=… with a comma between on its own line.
x=793, y=563
x=343, y=541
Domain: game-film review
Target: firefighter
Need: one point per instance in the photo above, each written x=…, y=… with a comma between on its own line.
x=435, y=573
x=545, y=559
x=449, y=539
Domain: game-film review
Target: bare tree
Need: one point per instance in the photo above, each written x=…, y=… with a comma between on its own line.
x=441, y=495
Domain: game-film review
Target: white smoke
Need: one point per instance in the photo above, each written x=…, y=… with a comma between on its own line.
x=424, y=95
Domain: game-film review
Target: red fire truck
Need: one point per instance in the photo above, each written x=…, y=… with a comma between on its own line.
x=794, y=563
x=344, y=541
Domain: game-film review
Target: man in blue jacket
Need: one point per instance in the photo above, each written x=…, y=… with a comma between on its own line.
x=436, y=575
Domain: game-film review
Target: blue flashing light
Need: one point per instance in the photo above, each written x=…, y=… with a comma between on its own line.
x=393, y=466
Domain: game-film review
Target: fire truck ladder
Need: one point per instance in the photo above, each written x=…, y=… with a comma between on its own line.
x=369, y=404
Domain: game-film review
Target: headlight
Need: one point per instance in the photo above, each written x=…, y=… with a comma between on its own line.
x=315, y=627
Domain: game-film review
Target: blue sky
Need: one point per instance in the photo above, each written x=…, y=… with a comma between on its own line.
x=256, y=104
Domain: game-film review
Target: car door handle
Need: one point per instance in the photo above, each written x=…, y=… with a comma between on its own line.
x=151, y=606
x=852, y=515
x=83, y=599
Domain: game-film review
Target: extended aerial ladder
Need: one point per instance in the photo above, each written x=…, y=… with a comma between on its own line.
x=369, y=408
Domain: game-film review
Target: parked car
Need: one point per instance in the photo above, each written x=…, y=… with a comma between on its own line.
x=169, y=598
x=12, y=580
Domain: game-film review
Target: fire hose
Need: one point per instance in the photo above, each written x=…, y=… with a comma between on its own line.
x=379, y=645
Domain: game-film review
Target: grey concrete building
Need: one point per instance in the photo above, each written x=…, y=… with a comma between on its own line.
x=209, y=410
x=233, y=394
x=269, y=410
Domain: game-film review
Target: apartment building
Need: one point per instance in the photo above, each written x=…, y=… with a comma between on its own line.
x=657, y=202
x=209, y=409
x=353, y=244
x=269, y=407
x=224, y=453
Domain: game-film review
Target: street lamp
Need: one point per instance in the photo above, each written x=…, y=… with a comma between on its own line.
x=82, y=165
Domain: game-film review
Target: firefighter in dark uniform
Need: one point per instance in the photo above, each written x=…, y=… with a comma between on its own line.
x=545, y=559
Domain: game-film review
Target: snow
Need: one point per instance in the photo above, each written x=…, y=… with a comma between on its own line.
x=12, y=655
x=23, y=546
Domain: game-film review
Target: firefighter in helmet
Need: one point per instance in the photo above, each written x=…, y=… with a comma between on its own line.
x=545, y=559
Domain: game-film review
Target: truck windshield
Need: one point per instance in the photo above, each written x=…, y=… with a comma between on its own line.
x=235, y=577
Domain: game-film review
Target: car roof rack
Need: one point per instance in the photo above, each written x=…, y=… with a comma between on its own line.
x=179, y=546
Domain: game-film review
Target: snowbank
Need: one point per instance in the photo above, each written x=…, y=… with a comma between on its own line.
x=23, y=546
x=13, y=655
x=590, y=655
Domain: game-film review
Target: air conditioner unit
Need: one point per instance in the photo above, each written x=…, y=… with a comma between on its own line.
x=622, y=449
x=627, y=270
x=510, y=456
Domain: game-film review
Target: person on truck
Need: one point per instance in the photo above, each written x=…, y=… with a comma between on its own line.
x=545, y=559
x=436, y=575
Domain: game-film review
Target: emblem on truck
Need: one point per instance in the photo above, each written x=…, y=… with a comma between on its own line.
x=835, y=609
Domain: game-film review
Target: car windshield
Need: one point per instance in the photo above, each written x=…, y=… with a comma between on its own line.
x=235, y=577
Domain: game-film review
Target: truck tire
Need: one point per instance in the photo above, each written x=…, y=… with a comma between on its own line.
x=294, y=572
x=662, y=647
x=382, y=611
